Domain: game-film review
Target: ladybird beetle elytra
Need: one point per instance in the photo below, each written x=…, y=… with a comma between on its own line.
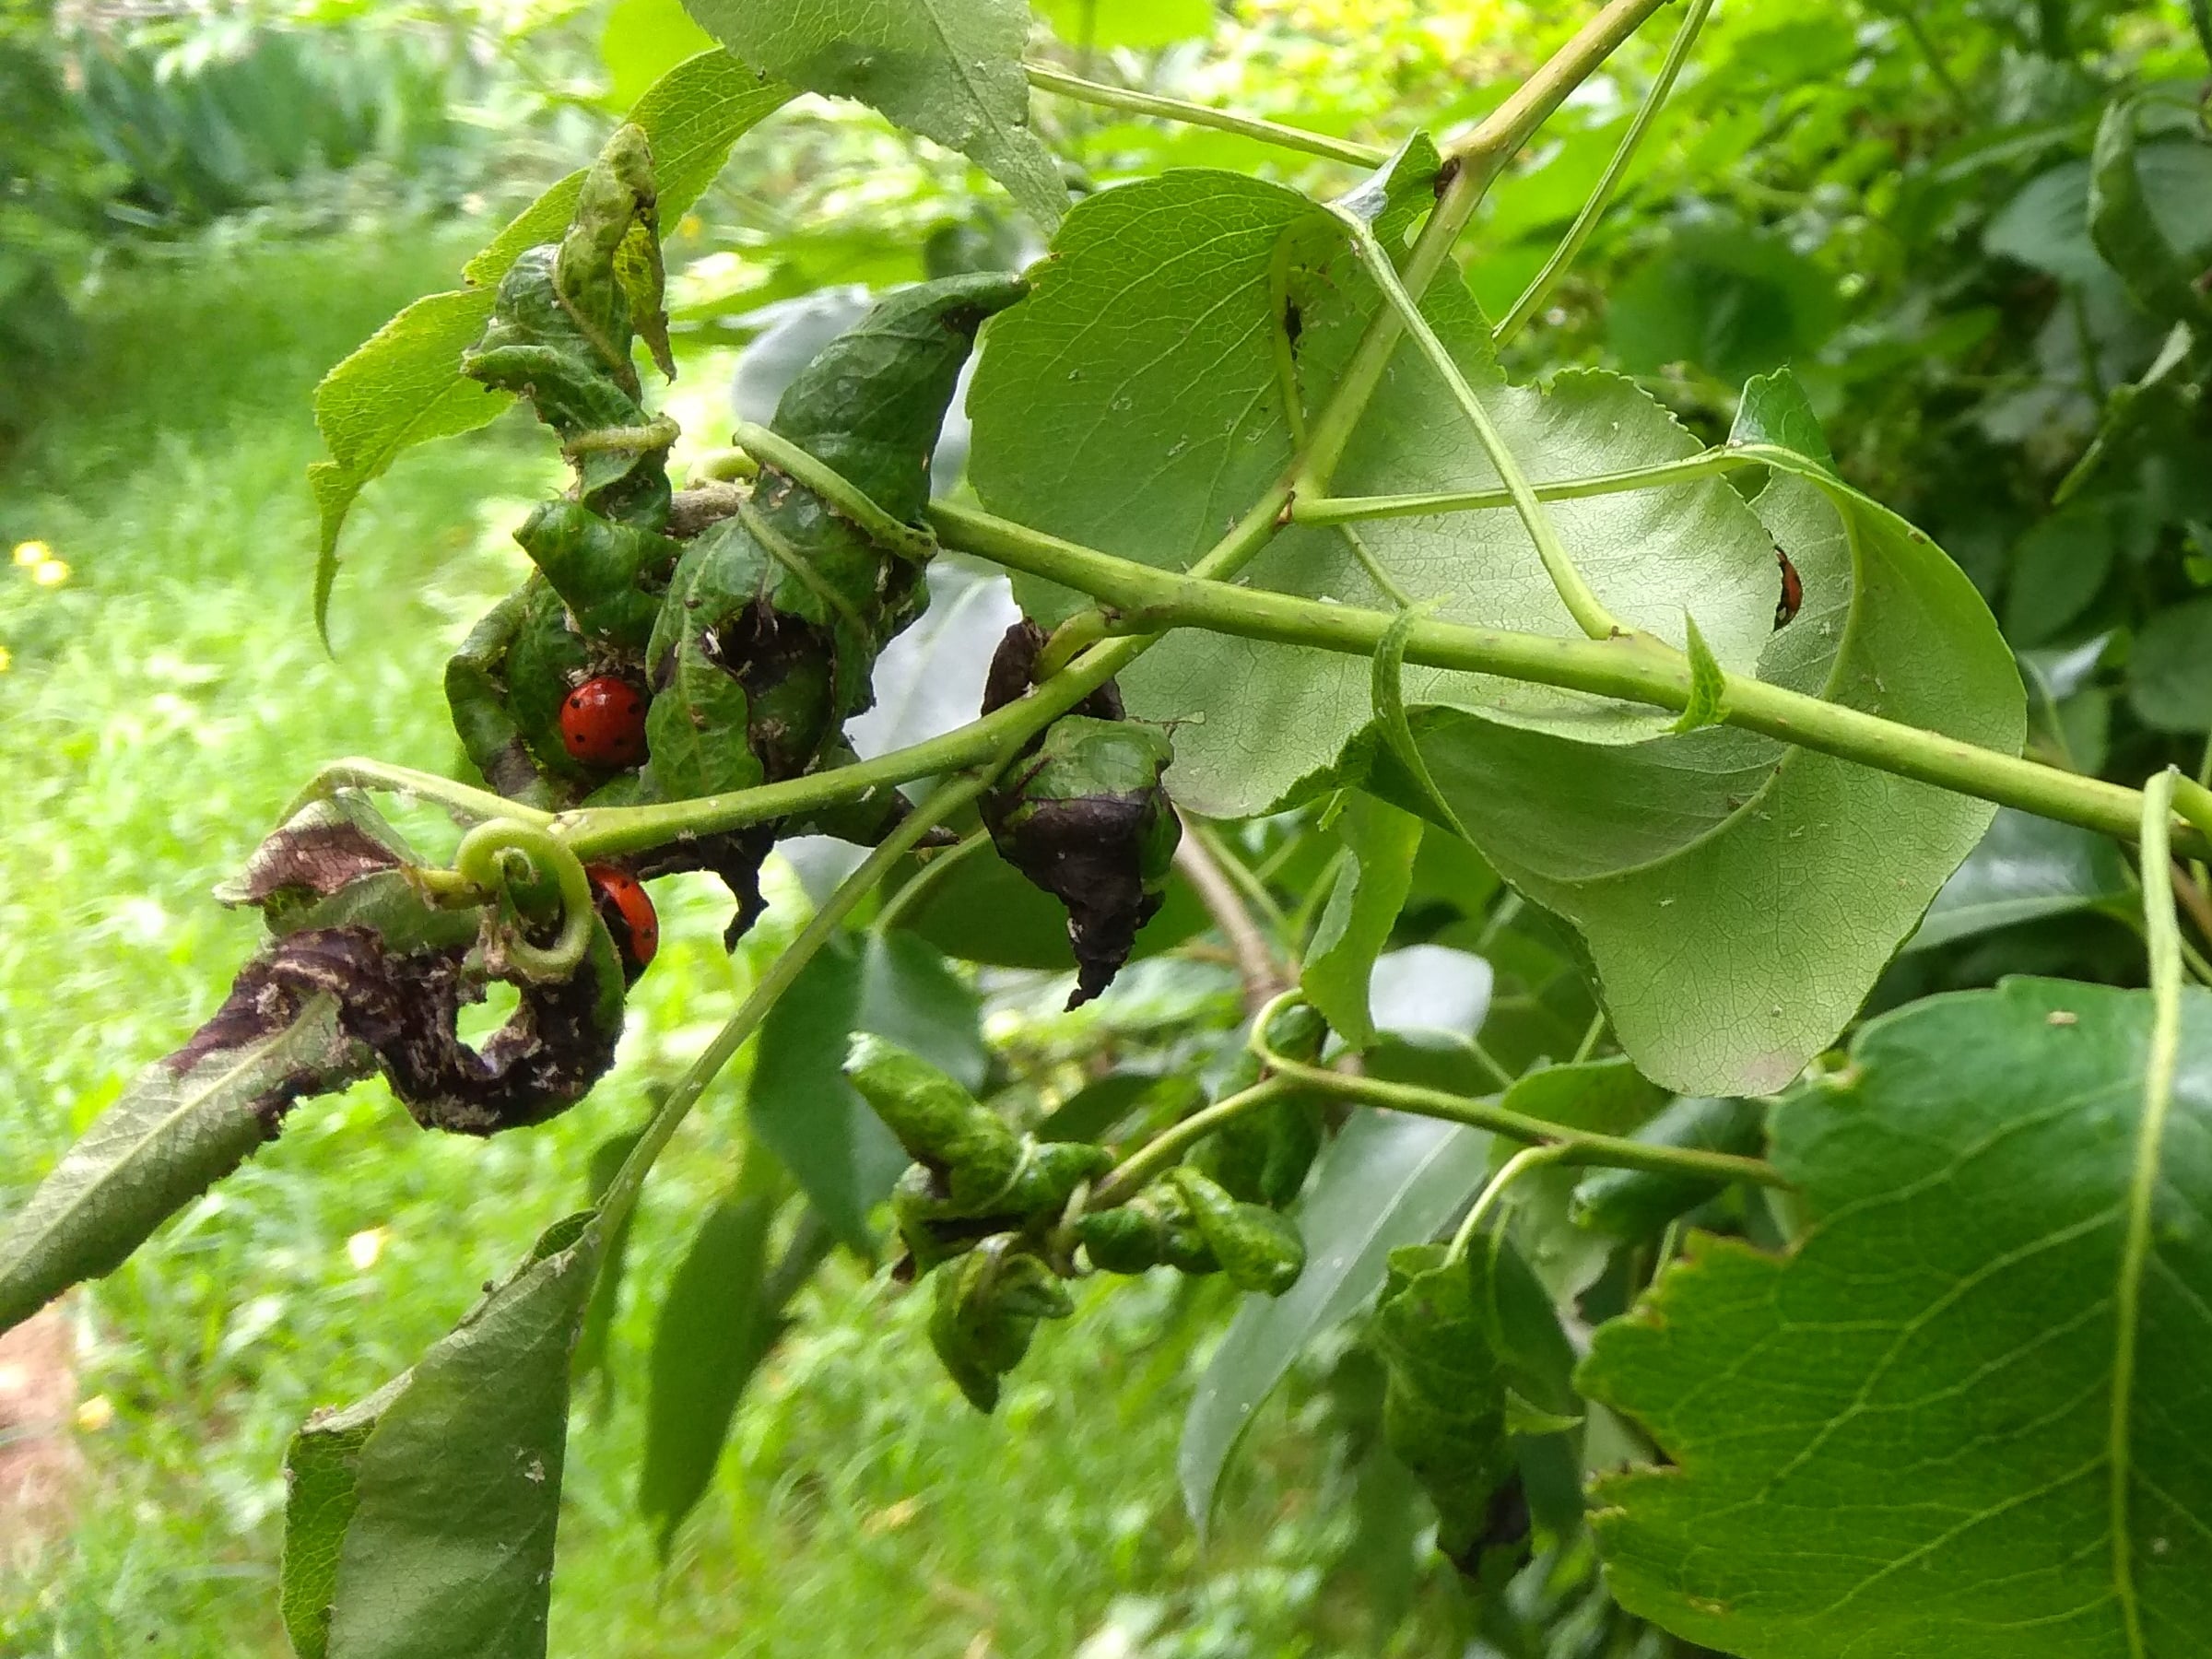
x=627, y=912
x=603, y=722
x=1793, y=591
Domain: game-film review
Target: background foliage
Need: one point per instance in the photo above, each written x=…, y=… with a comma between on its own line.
x=210, y=204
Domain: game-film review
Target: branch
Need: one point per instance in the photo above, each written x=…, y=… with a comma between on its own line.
x=1204, y=115
x=1588, y=611
x=1255, y=962
x=1635, y=668
x=622, y=1192
x=1567, y=1144
x=1472, y=164
x=1578, y=234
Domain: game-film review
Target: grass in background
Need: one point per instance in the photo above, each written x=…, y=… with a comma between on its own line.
x=158, y=708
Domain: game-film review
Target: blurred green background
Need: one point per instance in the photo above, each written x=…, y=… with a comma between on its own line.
x=202, y=209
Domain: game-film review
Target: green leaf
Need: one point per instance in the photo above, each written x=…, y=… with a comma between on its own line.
x=320, y=1468
x=2169, y=672
x=1388, y=692
x=1444, y=1408
x=800, y=1104
x=183, y=1123
x=2059, y=568
x=1918, y=1449
x=608, y=1159
x=448, y=1550
x=2125, y=230
x=2025, y=867
x=403, y=387
x=1734, y=925
x=1143, y=24
x=1608, y=1096
x=716, y=1327
x=1775, y=410
x=642, y=41
x=1135, y=403
x=1385, y=1181
x=948, y=69
x=1635, y=1204
x=1708, y=684
x=2047, y=224
x=1361, y=910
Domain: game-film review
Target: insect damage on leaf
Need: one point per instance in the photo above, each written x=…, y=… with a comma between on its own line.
x=1083, y=814
x=351, y=925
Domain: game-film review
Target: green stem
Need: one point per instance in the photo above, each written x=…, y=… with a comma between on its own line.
x=1342, y=509
x=882, y=526
x=1582, y=603
x=2163, y=931
x=1128, y=1176
x=1203, y=115
x=1473, y=164
x=1571, y=245
x=622, y=1192
x=1635, y=668
x=1518, y=1165
x=1588, y=1046
x=478, y=805
x=486, y=858
x=1568, y=1145
x=895, y=907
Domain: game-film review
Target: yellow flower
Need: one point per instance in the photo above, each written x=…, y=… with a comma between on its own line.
x=31, y=553
x=95, y=1414
x=51, y=572
x=7, y=661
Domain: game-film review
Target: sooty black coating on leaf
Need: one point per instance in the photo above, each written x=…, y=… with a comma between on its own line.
x=1082, y=814
x=403, y=1007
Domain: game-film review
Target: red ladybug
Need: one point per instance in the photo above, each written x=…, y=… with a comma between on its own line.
x=627, y=912
x=1793, y=591
x=603, y=722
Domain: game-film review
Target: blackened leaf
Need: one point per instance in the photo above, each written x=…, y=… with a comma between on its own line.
x=1387, y=1180
x=1362, y=908
x=449, y=1551
x=716, y=1328
x=183, y=1123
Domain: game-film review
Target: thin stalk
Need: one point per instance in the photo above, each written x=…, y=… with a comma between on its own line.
x=1128, y=1178
x=480, y=805
x=1343, y=509
x=1634, y=668
x=2164, y=933
x=1588, y=1046
x=1571, y=245
x=1473, y=164
x=1205, y=115
x=1582, y=603
x=883, y=527
x=1518, y=1165
x=1568, y=1144
x=622, y=1192
x=1214, y=874
x=895, y=907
